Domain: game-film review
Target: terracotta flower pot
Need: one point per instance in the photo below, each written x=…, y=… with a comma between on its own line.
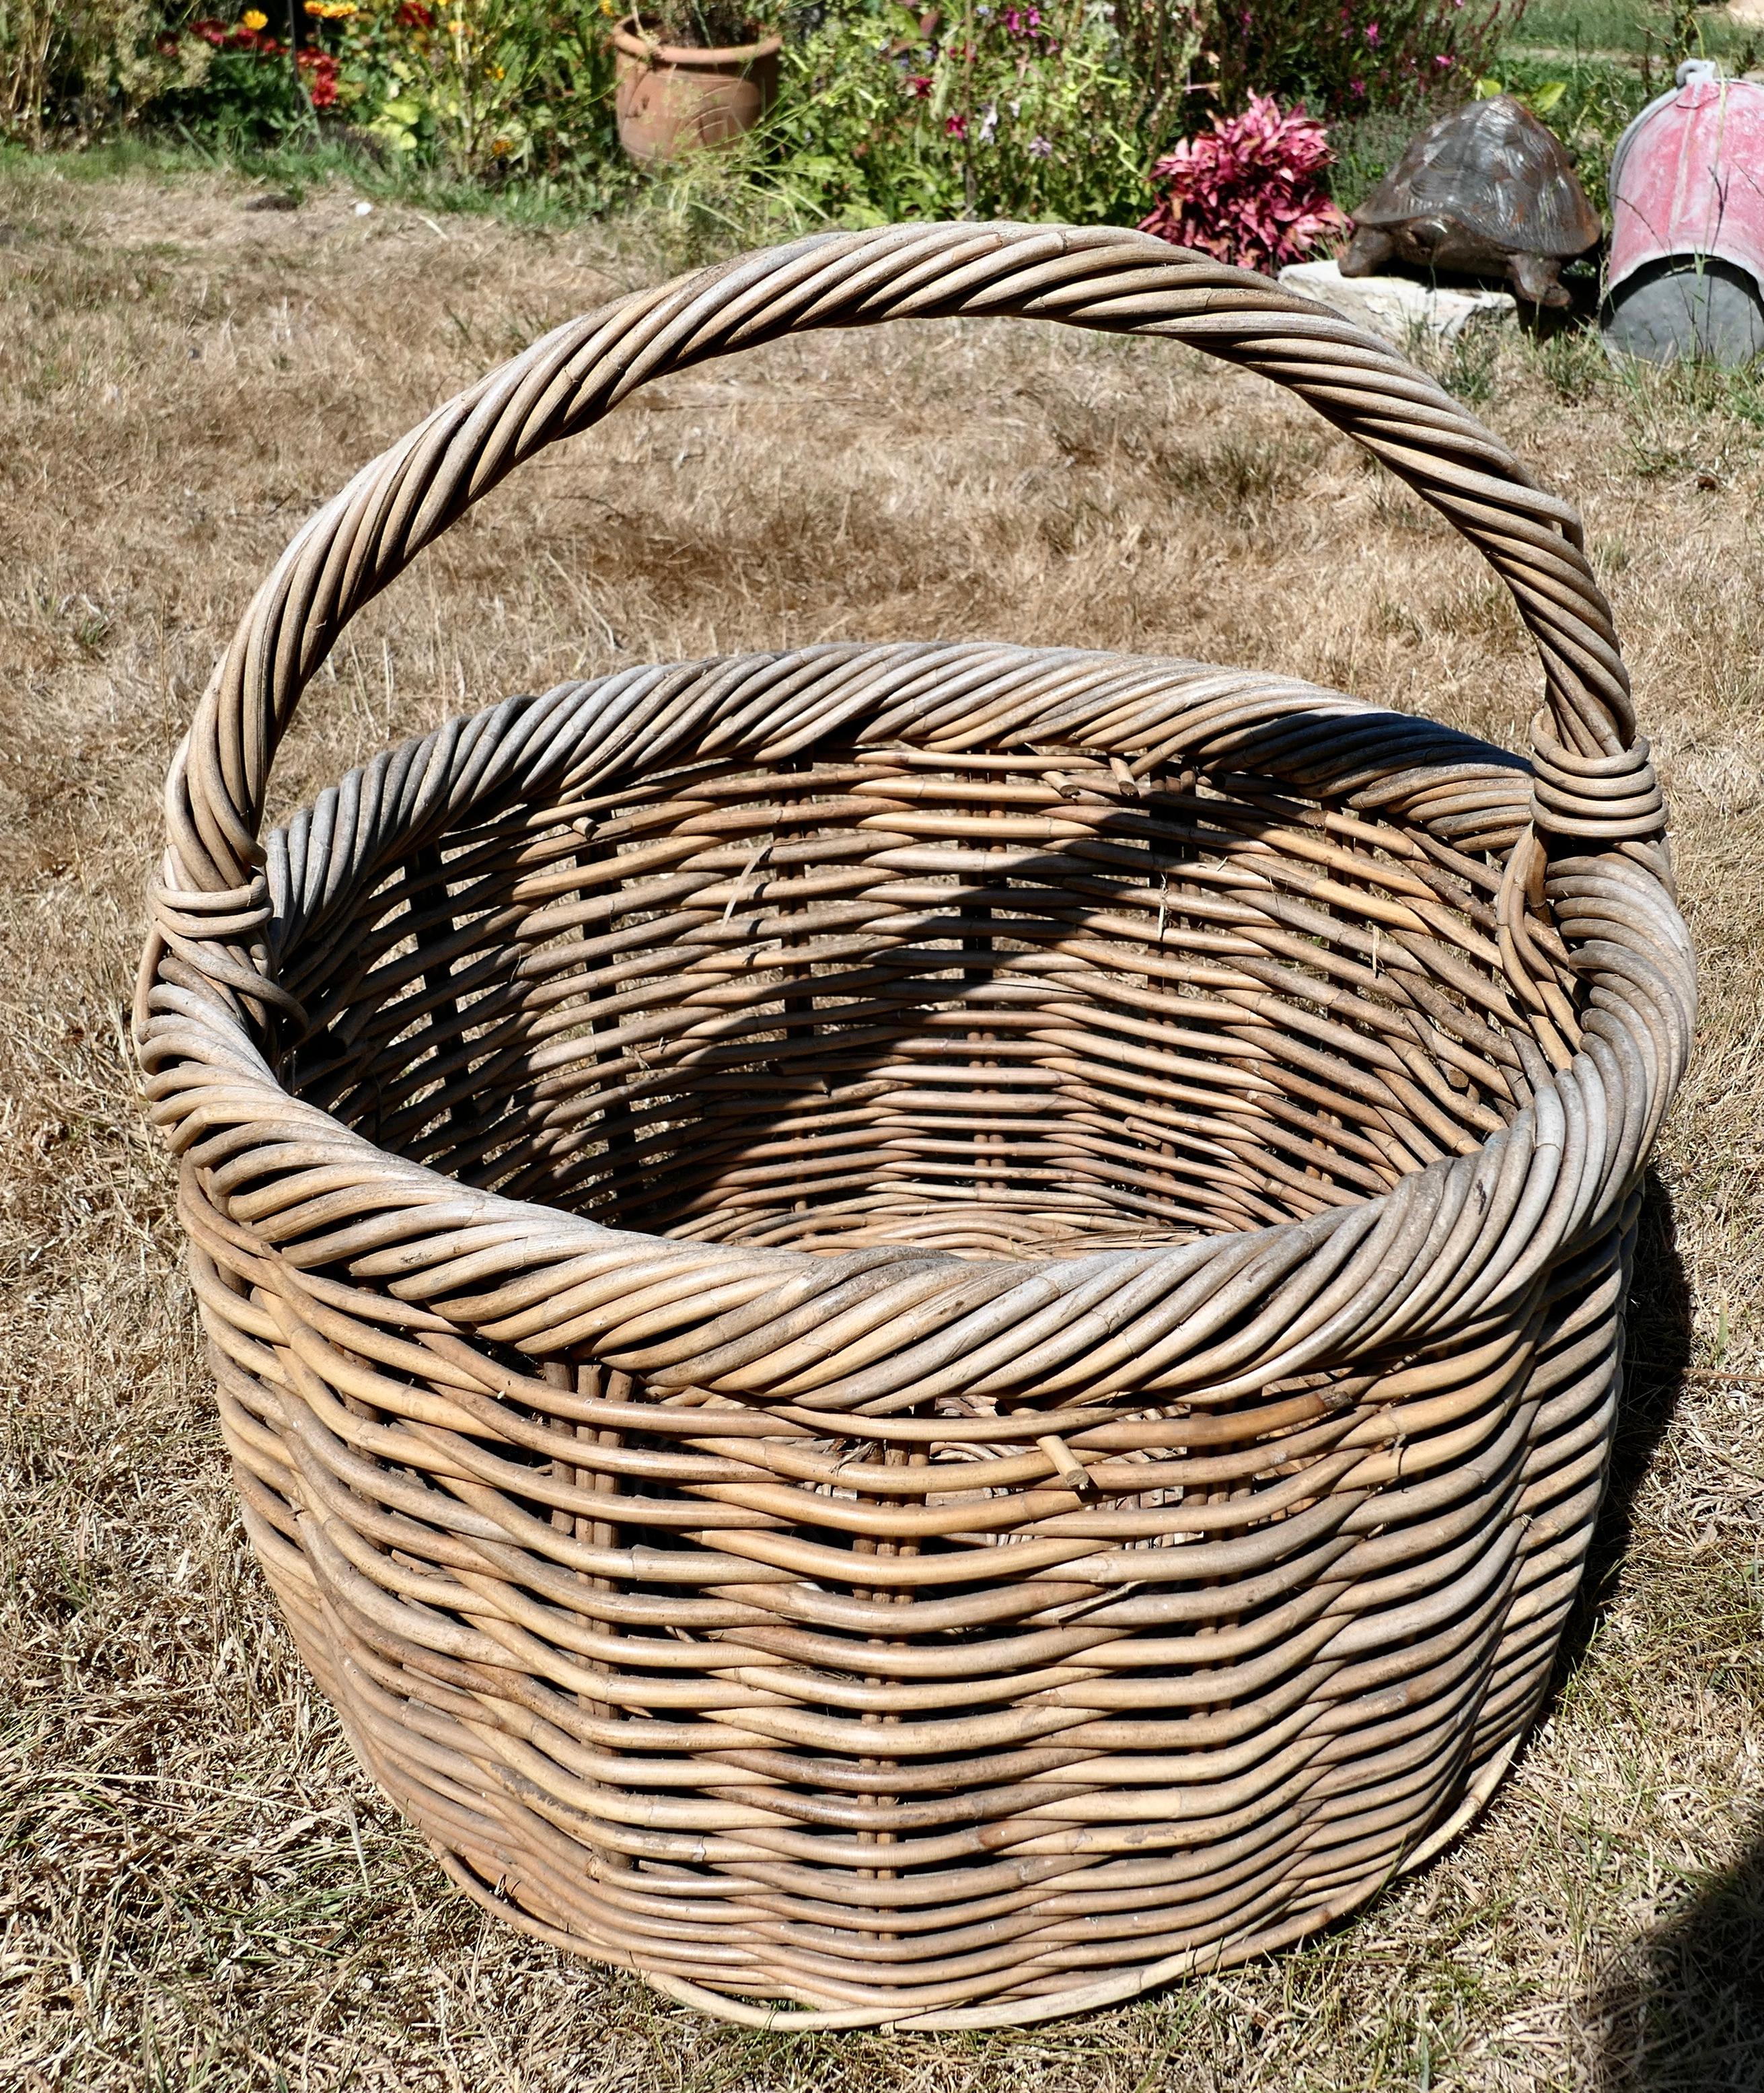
x=671, y=98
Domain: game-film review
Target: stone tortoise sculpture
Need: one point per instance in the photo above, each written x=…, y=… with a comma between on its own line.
x=1487, y=190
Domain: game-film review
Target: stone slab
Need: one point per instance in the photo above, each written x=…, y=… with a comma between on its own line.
x=1398, y=307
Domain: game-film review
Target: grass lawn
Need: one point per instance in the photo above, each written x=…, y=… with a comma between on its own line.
x=1636, y=27
x=198, y=1889
x=1631, y=25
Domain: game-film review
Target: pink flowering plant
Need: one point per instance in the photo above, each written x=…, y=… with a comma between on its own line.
x=1250, y=190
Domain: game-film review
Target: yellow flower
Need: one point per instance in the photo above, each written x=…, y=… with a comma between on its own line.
x=499, y=145
x=254, y=18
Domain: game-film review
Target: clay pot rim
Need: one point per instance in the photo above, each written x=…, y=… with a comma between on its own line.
x=630, y=38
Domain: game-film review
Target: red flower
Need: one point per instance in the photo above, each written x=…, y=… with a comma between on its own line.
x=920, y=83
x=413, y=15
x=957, y=125
x=320, y=69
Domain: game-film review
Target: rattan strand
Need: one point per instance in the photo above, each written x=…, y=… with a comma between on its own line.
x=921, y=1333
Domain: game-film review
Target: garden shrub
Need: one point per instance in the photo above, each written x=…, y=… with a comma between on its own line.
x=1344, y=58
x=490, y=88
x=236, y=85
x=1003, y=110
x=1250, y=190
x=486, y=88
x=72, y=67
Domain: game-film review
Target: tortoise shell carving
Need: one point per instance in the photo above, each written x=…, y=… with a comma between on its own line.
x=1487, y=190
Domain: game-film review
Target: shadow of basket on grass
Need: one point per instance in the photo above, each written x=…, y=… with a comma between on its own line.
x=1682, y=2009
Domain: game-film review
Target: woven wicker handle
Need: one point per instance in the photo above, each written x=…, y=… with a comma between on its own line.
x=1594, y=780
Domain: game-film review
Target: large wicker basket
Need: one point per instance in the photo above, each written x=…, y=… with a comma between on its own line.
x=928, y=1330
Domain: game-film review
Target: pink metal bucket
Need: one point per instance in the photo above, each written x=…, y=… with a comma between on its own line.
x=1687, y=260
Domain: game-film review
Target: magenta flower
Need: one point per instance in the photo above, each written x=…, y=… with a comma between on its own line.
x=1248, y=190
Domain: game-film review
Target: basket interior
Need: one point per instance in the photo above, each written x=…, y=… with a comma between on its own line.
x=992, y=1004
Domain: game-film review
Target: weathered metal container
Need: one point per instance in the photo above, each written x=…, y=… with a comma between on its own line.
x=1686, y=261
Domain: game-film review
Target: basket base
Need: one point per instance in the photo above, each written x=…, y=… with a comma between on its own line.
x=1119, y=1988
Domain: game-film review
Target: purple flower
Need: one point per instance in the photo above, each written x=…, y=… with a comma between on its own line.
x=1042, y=148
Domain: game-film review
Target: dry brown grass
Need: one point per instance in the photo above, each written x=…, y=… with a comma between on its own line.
x=198, y=1890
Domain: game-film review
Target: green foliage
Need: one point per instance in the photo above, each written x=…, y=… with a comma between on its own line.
x=490, y=89
x=1348, y=57
x=1541, y=99
x=72, y=67
x=709, y=24
x=236, y=87
x=1014, y=111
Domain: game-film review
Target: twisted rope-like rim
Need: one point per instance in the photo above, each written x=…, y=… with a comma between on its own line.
x=1464, y=1232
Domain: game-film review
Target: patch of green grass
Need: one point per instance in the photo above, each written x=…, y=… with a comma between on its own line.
x=1657, y=29
x=1365, y=148
x=1573, y=364
x=1465, y=365
x=301, y=167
